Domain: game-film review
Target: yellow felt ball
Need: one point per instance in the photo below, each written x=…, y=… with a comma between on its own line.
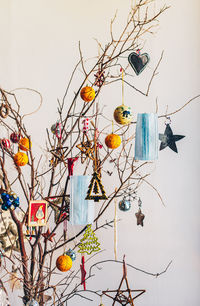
x=64, y=263
x=87, y=93
x=113, y=141
x=123, y=114
x=24, y=144
x=21, y=159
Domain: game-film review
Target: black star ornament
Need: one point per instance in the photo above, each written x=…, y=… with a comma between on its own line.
x=168, y=139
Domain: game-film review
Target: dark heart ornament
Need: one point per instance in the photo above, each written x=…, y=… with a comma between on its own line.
x=138, y=61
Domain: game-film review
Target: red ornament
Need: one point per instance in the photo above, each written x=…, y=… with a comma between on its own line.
x=48, y=235
x=83, y=272
x=15, y=137
x=71, y=162
x=5, y=143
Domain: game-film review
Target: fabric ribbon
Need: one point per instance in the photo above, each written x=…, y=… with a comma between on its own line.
x=83, y=272
x=71, y=162
x=58, y=130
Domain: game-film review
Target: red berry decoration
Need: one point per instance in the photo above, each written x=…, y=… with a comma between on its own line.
x=5, y=143
x=15, y=137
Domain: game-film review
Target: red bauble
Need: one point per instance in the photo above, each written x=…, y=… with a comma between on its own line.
x=5, y=143
x=15, y=137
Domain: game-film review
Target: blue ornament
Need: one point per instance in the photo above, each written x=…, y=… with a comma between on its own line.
x=5, y=196
x=71, y=254
x=4, y=206
x=9, y=201
x=124, y=205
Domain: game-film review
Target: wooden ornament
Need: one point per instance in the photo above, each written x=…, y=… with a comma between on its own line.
x=61, y=212
x=24, y=144
x=87, y=148
x=87, y=93
x=89, y=243
x=20, y=159
x=48, y=235
x=64, y=263
x=99, y=78
x=123, y=297
x=113, y=141
x=96, y=190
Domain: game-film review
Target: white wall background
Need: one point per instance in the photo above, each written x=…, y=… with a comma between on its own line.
x=39, y=48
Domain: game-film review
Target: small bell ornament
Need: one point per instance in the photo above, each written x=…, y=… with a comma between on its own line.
x=71, y=253
x=124, y=205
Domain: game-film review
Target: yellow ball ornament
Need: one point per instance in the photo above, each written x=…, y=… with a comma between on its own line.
x=123, y=114
x=87, y=93
x=20, y=159
x=64, y=263
x=113, y=141
x=24, y=144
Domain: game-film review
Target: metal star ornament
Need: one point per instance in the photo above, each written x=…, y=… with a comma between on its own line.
x=140, y=217
x=168, y=139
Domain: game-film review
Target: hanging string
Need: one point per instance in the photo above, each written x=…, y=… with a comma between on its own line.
x=54, y=295
x=122, y=86
x=115, y=228
x=101, y=300
x=65, y=230
x=95, y=141
x=112, y=127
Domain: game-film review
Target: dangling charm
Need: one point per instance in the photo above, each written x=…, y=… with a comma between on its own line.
x=139, y=215
x=99, y=78
x=125, y=203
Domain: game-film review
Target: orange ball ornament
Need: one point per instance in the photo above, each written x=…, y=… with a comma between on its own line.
x=113, y=141
x=87, y=93
x=24, y=144
x=21, y=159
x=64, y=263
